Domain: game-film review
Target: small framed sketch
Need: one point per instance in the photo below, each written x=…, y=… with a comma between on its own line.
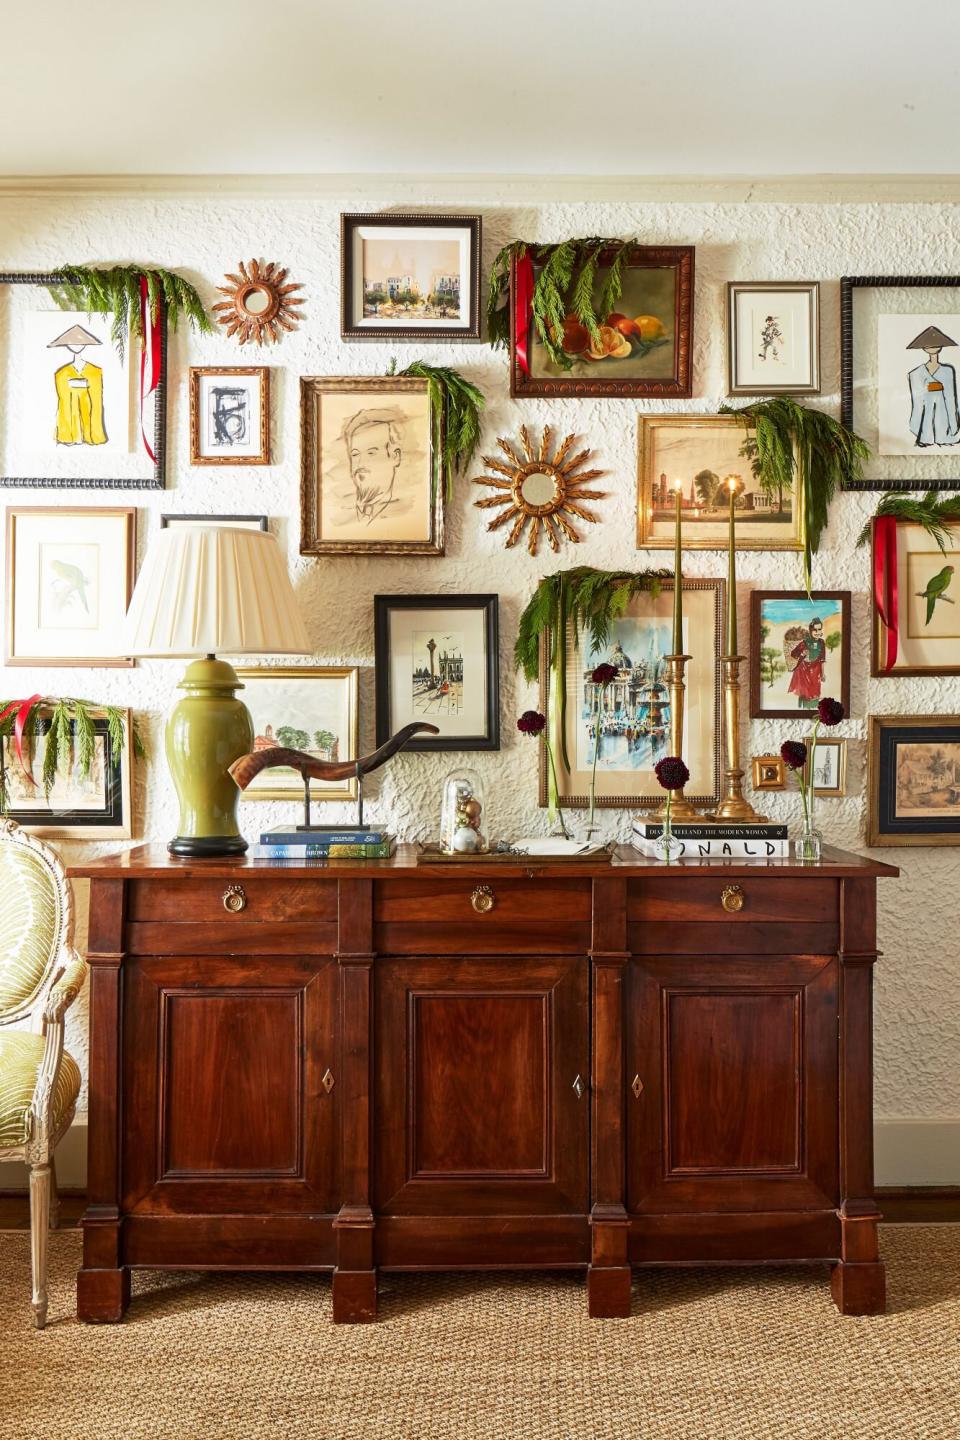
x=70, y=575
x=229, y=415
x=229, y=522
x=76, y=414
x=799, y=651
x=410, y=277
x=899, y=344
x=773, y=337
x=302, y=707
x=703, y=452
x=830, y=772
x=927, y=626
x=370, y=480
x=91, y=806
x=913, y=780
x=635, y=726
x=438, y=659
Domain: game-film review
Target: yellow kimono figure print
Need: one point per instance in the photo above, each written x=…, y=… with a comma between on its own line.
x=79, y=386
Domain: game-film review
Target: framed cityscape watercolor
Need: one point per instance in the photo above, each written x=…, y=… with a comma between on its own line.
x=410, y=277
x=913, y=780
x=635, y=726
x=799, y=651
x=704, y=451
x=899, y=343
x=302, y=707
x=370, y=476
x=437, y=659
x=922, y=635
x=95, y=805
x=646, y=346
x=70, y=575
x=773, y=337
x=75, y=413
x=229, y=415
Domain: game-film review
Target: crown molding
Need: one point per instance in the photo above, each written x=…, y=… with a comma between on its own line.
x=420, y=189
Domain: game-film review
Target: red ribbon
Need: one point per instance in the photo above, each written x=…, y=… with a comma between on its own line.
x=151, y=358
x=23, y=708
x=885, y=585
x=523, y=304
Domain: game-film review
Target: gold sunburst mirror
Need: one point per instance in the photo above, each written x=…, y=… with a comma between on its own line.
x=259, y=306
x=541, y=489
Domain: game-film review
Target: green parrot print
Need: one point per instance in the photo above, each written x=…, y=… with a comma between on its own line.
x=937, y=587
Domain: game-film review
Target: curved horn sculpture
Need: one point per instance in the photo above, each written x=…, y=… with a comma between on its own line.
x=249, y=766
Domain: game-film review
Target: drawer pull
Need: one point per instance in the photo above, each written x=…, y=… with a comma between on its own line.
x=328, y=1081
x=482, y=899
x=234, y=899
x=579, y=1089
x=732, y=898
x=637, y=1087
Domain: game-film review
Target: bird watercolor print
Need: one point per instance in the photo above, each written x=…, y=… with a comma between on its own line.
x=932, y=608
x=69, y=587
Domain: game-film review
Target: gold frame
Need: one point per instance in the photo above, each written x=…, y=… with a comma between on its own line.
x=829, y=792
x=80, y=831
x=279, y=315
x=877, y=724
x=95, y=662
x=350, y=673
x=877, y=636
x=263, y=371
x=312, y=387
x=646, y=425
x=759, y=763
x=551, y=461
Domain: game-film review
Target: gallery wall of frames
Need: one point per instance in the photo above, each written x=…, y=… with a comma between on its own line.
x=310, y=409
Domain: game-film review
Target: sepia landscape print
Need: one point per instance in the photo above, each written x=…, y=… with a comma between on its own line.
x=437, y=674
x=411, y=276
x=928, y=780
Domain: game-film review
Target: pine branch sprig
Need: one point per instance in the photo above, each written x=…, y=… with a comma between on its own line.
x=934, y=511
x=455, y=406
x=114, y=290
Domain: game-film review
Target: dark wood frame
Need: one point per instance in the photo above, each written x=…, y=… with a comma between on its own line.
x=736, y=287
x=643, y=257
x=42, y=279
x=226, y=520
x=350, y=330
x=312, y=387
x=848, y=284
x=88, y=662
x=879, y=724
x=263, y=372
x=876, y=626
x=757, y=597
x=383, y=605
x=116, y=821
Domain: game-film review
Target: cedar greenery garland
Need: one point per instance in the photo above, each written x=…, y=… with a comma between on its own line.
x=933, y=511
x=790, y=441
x=115, y=290
x=565, y=285
x=68, y=727
x=455, y=405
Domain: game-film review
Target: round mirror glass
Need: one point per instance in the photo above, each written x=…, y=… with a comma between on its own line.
x=537, y=488
x=257, y=301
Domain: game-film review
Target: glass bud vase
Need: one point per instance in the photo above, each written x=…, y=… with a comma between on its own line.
x=463, y=823
x=808, y=845
x=667, y=843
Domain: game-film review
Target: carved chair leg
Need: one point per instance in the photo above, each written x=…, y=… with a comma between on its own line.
x=54, y=1195
x=39, y=1226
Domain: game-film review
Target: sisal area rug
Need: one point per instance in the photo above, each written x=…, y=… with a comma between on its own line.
x=707, y=1355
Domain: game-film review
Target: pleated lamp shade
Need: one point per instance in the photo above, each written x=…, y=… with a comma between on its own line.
x=207, y=590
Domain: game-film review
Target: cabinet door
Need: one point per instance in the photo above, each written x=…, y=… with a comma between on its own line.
x=476, y=1105
x=225, y=1106
x=737, y=1060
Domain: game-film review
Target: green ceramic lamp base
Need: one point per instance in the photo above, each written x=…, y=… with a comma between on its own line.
x=207, y=730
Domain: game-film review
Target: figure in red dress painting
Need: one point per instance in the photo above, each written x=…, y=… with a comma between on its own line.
x=806, y=656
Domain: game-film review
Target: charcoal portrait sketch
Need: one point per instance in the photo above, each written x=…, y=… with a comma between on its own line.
x=374, y=467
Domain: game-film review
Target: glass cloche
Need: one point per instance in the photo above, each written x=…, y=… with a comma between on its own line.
x=463, y=822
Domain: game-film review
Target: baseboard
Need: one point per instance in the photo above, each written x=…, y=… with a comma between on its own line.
x=71, y=1163
x=919, y=1204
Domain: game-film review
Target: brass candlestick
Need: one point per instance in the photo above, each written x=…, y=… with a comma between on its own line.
x=680, y=807
x=733, y=807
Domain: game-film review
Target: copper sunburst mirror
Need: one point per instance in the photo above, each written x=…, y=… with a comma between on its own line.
x=259, y=306
x=541, y=488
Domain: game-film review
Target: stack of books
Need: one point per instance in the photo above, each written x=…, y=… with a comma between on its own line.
x=700, y=839
x=325, y=842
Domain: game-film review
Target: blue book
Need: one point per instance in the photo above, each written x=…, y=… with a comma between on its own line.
x=323, y=835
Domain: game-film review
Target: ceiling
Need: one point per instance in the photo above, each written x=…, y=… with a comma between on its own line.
x=545, y=87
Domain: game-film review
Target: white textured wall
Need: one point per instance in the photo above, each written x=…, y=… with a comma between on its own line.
x=918, y=999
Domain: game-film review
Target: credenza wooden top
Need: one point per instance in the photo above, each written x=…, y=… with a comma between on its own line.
x=153, y=862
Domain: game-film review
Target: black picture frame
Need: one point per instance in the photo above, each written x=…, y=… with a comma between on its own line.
x=114, y=820
x=383, y=607
x=848, y=285
x=157, y=481
x=350, y=329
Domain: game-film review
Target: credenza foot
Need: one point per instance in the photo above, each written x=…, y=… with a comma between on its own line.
x=859, y=1289
x=608, y=1292
x=102, y=1295
x=354, y=1296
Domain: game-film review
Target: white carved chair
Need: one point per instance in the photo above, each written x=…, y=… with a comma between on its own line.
x=40, y=977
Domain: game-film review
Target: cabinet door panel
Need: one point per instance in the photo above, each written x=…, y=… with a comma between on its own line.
x=475, y=1104
x=737, y=1059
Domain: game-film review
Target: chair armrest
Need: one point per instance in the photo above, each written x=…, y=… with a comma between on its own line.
x=67, y=984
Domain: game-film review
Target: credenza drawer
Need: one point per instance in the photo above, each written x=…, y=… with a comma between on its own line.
x=238, y=901
x=723, y=898
x=467, y=917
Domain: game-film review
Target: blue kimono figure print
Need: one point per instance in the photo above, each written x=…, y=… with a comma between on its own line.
x=934, y=419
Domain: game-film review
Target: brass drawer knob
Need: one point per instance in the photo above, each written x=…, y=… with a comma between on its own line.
x=234, y=899
x=482, y=899
x=732, y=898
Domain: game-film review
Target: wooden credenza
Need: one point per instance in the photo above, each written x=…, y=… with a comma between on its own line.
x=350, y=1067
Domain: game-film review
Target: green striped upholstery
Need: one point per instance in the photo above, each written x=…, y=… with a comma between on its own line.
x=20, y=1057
x=31, y=924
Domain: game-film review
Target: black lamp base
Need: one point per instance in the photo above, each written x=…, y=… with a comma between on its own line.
x=206, y=847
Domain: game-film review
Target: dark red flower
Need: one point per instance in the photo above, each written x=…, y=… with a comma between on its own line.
x=531, y=722
x=831, y=712
x=671, y=772
x=604, y=673
x=794, y=754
